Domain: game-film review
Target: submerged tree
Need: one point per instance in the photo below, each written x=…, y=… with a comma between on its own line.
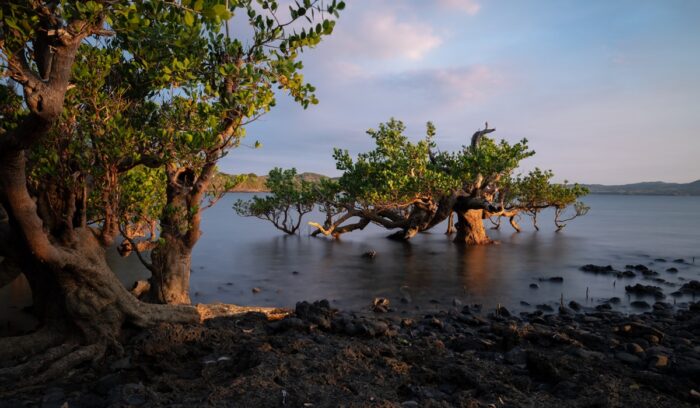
x=111, y=89
x=290, y=198
x=412, y=187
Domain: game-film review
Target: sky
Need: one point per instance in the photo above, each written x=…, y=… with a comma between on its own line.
x=605, y=91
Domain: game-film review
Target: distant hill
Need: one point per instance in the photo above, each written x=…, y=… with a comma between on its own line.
x=252, y=183
x=649, y=188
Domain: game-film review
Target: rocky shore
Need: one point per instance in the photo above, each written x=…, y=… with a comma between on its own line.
x=461, y=357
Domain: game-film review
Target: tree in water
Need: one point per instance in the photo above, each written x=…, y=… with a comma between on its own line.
x=66, y=148
x=290, y=198
x=412, y=187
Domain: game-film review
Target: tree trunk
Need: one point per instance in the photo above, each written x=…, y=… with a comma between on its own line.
x=170, y=280
x=470, y=228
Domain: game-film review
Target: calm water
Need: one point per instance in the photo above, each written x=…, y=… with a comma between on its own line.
x=236, y=254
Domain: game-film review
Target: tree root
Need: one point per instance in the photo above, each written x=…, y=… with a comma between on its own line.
x=30, y=344
x=210, y=311
x=54, y=363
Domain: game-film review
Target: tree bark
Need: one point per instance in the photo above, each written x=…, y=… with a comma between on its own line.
x=170, y=280
x=470, y=228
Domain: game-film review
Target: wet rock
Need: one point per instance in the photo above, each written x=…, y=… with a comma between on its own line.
x=614, y=300
x=638, y=267
x=626, y=274
x=659, y=260
x=289, y=323
x=553, y=279
x=502, y=311
x=534, y=286
x=672, y=270
x=371, y=254
x=524, y=303
x=575, y=306
x=121, y=364
x=598, y=269
x=255, y=290
x=679, y=260
x=692, y=287
x=456, y=302
x=634, y=348
x=380, y=305
x=640, y=304
x=603, y=307
x=545, y=307
x=295, y=272
x=405, y=299
x=645, y=290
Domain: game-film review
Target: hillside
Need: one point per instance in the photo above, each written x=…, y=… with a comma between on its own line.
x=252, y=183
x=648, y=188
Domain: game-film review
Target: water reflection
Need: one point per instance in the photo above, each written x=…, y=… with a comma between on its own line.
x=237, y=254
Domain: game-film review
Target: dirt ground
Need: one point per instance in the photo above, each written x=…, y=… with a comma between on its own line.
x=460, y=357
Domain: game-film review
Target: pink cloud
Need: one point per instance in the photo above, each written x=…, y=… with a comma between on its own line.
x=470, y=7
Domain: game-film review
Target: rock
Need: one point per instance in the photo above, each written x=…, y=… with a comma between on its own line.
x=645, y=290
x=502, y=311
x=409, y=404
x=639, y=267
x=371, y=254
x=628, y=358
x=659, y=362
x=524, y=303
x=405, y=299
x=634, y=348
x=456, y=302
x=614, y=300
x=318, y=313
x=692, y=287
x=603, y=307
x=380, y=305
x=575, y=306
x=640, y=304
x=679, y=260
x=626, y=274
x=545, y=307
x=255, y=290
x=534, y=286
x=659, y=260
x=597, y=269
x=121, y=364
x=554, y=279
x=295, y=272
x=672, y=270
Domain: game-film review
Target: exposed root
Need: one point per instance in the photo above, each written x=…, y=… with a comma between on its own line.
x=30, y=344
x=36, y=363
x=210, y=311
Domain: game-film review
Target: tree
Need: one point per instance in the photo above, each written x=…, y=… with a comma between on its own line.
x=412, y=187
x=290, y=198
x=174, y=95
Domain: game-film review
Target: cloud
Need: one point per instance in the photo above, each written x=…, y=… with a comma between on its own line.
x=384, y=36
x=453, y=86
x=470, y=7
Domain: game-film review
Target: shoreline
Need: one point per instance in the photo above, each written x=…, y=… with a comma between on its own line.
x=460, y=356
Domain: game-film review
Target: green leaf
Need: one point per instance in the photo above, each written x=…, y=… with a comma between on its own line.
x=189, y=19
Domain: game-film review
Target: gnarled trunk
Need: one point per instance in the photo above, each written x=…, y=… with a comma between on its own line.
x=170, y=280
x=470, y=228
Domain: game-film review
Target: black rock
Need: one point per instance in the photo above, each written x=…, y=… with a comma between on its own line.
x=614, y=300
x=555, y=279
x=534, y=286
x=598, y=269
x=692, y=287
x=640, y=304
x=626, y=274
x=645, y=290
x=659, y=260
x=575, y=306
x=672, y=270
x=545, y=307
x=679, y=260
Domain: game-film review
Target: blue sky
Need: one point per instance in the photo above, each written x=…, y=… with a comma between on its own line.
x=605, y=91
